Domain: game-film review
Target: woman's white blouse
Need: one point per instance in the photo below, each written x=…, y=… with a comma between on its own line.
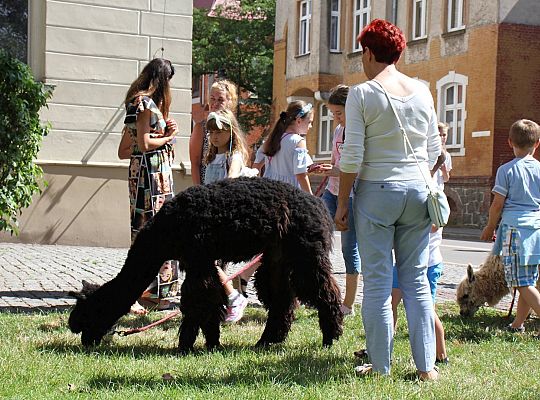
x=374, y=146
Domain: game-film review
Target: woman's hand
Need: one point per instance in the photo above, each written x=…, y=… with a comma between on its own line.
x=487, y=234
x=147, y=138
x=342, y=218
x=324, y=169
x=172, y=127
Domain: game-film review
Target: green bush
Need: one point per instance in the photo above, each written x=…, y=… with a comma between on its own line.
x=21, y=133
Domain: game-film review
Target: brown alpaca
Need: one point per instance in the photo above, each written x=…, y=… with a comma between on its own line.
x=486, y=285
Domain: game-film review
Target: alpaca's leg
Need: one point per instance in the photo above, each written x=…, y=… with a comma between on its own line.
x=274, y=291
x=214, y=312
x=211, y=331
x=314, y=284
x=189, y=328
x=202, y=303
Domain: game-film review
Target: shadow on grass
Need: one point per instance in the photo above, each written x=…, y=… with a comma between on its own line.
x=293, y=368
x=142, y=350
x=114, y=344
x=484, y=326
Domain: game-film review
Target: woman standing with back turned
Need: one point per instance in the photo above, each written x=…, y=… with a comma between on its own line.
x=146, y=141
x=389, y=205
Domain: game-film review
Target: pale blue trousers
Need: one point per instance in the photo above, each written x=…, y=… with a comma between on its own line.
x=393, y=215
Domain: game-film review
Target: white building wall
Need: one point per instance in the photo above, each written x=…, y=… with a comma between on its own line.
x=91, y=51
x=92, y=54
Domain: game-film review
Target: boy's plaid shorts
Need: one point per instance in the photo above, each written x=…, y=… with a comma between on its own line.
x=516, y=275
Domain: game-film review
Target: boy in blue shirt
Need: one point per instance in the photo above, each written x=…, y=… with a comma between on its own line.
x=517, y=202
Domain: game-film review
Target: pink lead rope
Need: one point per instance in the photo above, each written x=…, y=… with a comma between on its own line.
x=249, y=264
x=175, y=313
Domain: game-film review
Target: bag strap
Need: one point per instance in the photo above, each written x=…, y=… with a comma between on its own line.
x=403, y=131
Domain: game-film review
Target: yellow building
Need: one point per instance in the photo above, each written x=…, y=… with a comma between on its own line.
x=480, y=59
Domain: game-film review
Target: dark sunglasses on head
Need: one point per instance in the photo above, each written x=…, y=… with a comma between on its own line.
x=172, y=69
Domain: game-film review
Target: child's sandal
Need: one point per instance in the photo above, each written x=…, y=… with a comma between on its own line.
x=361, y=354
x=243, y=287
x=442, y=361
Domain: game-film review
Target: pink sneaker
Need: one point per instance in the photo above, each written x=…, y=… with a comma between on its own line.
x=235, y=311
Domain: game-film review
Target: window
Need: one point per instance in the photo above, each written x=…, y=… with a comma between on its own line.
x=419, y=19
x=14, y=28
x=335, y=25
x=326, y=134
x=455, y=15
x=304, y=25
x=451, y=91
x=195, y=87
x=362, y=11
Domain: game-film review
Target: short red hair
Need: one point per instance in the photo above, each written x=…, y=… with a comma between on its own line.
x=385, y=40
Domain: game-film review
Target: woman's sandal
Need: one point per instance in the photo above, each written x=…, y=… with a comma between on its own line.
x=363, y=370
x=432, y=375
x=137, y=309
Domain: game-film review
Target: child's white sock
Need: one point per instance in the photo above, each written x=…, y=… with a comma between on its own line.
x=234, y=294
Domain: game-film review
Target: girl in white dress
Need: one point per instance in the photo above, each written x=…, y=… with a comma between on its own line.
x=227, y=154
x=287, y=158
x=226, y=158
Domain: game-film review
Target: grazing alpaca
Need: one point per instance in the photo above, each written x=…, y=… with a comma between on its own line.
x=486, y=285
x=231, y=220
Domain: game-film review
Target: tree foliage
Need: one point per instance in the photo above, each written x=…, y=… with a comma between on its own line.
x=13, y=27
x=238, y=45
x=21, y=133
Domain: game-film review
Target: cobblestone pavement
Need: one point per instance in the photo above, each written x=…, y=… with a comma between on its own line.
x=39, y=277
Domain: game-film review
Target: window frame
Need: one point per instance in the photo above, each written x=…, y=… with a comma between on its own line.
x=456, y=133
x=196, y=89
x=422, y=22
x=329, y=119
x=359, y=12
x=304, y=28
x=335, y=15
x=460, y=17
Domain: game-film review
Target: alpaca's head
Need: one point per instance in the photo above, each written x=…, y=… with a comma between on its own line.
x=87, y=317
x=467, y=296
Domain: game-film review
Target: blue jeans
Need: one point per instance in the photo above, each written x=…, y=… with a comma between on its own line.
x=349, y=246
x=434, y=273
x=393, y=215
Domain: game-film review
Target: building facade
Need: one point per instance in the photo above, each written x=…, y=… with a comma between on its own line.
x=90, y=51
x=480, y=59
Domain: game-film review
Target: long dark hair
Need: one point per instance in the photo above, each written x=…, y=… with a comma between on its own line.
x=273, y=143
x=338, y=95
x=153, y=82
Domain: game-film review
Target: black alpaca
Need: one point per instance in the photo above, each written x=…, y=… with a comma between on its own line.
x=231, y=220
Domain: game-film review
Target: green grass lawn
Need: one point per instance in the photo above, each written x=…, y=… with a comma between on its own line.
x=41, y=359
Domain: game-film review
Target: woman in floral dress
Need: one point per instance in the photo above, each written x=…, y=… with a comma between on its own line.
x=147, y=141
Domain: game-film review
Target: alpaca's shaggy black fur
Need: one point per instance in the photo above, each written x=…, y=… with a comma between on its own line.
x=232, y=221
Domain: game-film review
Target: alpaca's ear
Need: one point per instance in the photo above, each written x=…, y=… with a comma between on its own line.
x=77, y=295
x=470, y=273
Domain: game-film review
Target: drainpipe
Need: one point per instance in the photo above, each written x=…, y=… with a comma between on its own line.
x=394, y=11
